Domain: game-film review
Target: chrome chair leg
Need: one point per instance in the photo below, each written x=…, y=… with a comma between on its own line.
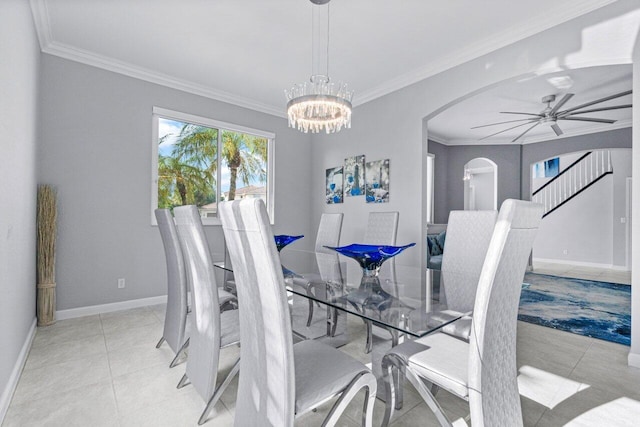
x=393, y=376
x=334, y=322
x=369, y=344
x=310, y=318
x=179, y=354
x=183, y=381
x=160, y=342
x=364, y=379
x=218, y=392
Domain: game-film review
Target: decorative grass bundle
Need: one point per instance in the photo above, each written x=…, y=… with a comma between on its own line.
x=46, y=255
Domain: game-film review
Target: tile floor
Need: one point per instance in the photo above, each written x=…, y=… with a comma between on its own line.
x=580, y=272
x=105, y=371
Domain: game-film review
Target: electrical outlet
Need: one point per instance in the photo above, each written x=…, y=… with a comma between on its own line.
x=120, y=283
x=564, y=252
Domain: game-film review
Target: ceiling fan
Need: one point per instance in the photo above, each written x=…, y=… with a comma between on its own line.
x=551, y=115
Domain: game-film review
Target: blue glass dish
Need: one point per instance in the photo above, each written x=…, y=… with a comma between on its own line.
x=283, y=240
x=370, y=257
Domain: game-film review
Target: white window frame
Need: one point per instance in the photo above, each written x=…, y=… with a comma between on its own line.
x=164, y=113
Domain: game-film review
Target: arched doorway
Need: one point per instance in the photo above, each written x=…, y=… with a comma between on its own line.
x=480, y=177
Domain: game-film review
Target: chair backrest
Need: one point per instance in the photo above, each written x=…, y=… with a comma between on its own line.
x=493, y=387
x=204, y=337
x=465, y=248
x=266, y=388
x=328, y=232
x=176, y=314
x=382, y=229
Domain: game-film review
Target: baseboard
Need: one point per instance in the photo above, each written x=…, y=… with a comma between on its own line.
x=581, y=263
x=634, y=360
x=10, y=387
x=108, y=308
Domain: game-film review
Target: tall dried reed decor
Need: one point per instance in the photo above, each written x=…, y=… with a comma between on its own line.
x=46, y=256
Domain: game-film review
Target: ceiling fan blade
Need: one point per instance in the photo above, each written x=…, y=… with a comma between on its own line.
x=501, y=123
x=588, y=119
x=523, y=133
x=515, y=112
x=560, y=103
x=504, y=130
x=597, y=101
x=594, y=110
x=556, y=129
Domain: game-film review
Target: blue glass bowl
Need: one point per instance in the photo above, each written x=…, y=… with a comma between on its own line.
x=283, y=240
x=370, y=257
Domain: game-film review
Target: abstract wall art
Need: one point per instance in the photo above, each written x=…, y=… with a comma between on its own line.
x=377, y=181
x=334, y=185
x=354, y=176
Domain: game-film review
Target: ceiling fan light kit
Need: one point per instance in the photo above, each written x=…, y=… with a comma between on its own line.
x=551, y=115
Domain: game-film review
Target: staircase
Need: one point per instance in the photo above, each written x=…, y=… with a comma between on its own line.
x=580, y=175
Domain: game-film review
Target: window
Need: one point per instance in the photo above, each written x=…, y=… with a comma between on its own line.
x=199, y=161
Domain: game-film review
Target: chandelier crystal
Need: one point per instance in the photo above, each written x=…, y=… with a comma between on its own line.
x=319, y=104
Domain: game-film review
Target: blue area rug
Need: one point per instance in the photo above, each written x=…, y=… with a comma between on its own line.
x=595, y=309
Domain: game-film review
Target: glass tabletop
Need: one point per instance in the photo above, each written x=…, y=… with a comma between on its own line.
x=407, y=300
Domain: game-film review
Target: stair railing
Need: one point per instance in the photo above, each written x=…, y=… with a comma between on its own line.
x=577, y=177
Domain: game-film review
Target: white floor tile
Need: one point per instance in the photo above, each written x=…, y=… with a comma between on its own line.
x=69, y=350
x=43, y=382
x=105, y=371
x=91, y=405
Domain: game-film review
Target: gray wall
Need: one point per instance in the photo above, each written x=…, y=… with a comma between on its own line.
x=18, y=120
x=514, y=180
x=392, y=126
x=507, y=157
x=96, y=148
x=557, y=233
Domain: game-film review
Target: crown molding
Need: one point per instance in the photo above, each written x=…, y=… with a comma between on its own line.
x=596, y=128
x=110, y=64
x=483, y=47
x=48, y=45
x=437, y=138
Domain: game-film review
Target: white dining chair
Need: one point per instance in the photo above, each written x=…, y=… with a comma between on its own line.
x=279, y=380
x=465, y=248
x=212, y=330
x=482, y=371
x=328, y=234
x=176, y=320
x=382, y=229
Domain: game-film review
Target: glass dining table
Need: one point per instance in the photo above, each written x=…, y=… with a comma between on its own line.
x=406, y=303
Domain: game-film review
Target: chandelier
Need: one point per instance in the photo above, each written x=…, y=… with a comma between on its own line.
x=319, y=103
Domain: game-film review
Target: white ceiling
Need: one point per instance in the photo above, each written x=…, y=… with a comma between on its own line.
x=453, y=126
x=247, y=52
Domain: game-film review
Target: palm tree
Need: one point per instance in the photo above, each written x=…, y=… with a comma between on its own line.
x=188, y=174
x=245, y=156
x=179, y=183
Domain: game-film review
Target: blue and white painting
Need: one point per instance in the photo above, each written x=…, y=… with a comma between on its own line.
x=354, y=176
x=595, y=309
x=334, y=185
x=377, y=181
x=547, y=169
